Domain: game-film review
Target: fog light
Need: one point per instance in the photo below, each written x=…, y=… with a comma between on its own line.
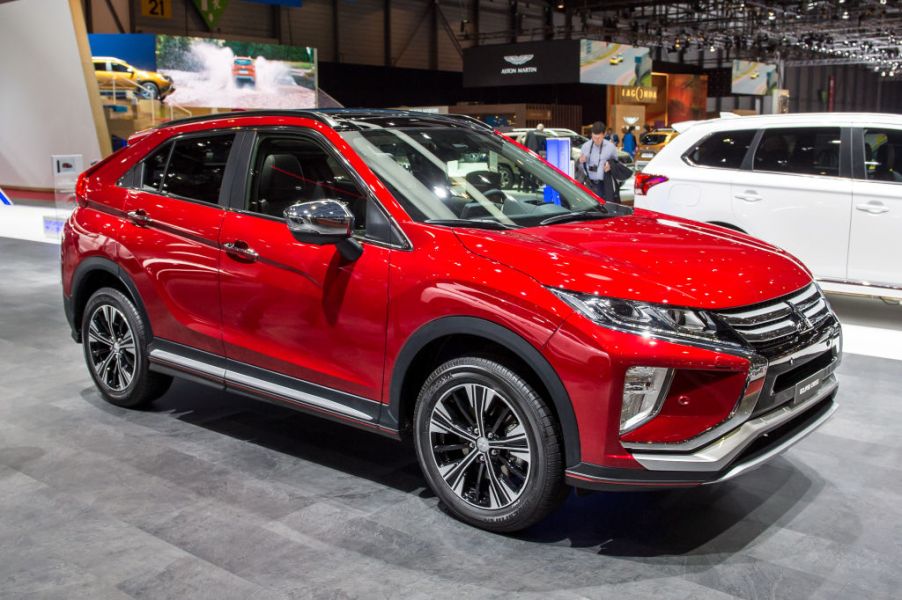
x=644, y=390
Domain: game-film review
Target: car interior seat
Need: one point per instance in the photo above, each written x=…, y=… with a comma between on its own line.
x=773, y=154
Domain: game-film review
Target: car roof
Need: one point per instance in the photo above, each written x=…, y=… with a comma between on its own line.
x=109, y=58
x=823, y=118
x=347, y=119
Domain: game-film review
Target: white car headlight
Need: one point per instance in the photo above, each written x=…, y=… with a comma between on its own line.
x=645, y=318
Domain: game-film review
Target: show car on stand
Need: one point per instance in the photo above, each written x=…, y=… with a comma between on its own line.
x=825, y=187
x=330, y=262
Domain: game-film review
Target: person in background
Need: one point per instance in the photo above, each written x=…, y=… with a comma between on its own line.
x=629, y=141
x=594, y=156
x=611, y=136
x=535, y=140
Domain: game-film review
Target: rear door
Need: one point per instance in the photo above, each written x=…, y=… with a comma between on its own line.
x=797, y=194
x=876, y=240
x=172, y=247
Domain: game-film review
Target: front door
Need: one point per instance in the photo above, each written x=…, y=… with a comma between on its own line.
x=297, y=309
x=172, y=238
x=797, y=196
x=876, y=243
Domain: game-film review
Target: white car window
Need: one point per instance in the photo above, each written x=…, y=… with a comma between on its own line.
x=883, y=154
x=800, y=151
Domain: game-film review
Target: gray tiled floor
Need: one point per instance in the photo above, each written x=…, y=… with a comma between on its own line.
x=211, y=495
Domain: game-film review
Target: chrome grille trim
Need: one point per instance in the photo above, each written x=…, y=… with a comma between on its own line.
x=796, y=313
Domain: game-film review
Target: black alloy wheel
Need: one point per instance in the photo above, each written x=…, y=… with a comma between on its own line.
x=488, y=445
x=115, y=347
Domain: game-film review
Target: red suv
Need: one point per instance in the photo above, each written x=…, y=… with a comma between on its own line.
x=368, y=267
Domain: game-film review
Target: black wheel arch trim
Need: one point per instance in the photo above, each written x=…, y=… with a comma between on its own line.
x=82, y=271
x=459, y=325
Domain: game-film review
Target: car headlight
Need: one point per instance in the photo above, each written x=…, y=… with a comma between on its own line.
x=645, y=318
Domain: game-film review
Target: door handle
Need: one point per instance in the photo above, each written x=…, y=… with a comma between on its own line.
x=873, y=208
x=748, y=196
x=139, y=217
x=241, y=249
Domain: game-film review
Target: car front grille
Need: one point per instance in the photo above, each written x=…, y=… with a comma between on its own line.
x=777, y=327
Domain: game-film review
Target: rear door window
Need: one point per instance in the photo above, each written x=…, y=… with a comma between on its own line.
x=724, y=149
x=800, y=151
x=197, y=166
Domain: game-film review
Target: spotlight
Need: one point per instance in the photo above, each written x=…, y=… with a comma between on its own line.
x=845, y=15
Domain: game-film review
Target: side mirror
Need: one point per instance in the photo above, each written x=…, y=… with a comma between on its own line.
x=319, y=222
x=324, y=222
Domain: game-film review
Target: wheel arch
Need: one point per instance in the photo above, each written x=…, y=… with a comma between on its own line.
x=92, y=274
x=728, y=226
x=424, y=349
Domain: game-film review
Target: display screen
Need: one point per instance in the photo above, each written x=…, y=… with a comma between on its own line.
x=233, y=74
x=521, y=64
x=614, y=64
x=754, y=78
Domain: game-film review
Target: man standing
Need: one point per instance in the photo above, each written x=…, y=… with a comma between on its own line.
x=594, y=156
x=629, y=142
x=535, y=139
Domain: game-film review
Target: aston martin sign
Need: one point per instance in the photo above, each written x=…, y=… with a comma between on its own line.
x=522, y=64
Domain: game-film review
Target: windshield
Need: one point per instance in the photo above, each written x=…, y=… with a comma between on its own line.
x=457, y=175
x=242, y=61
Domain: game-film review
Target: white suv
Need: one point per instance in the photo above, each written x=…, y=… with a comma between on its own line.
x=826, y=187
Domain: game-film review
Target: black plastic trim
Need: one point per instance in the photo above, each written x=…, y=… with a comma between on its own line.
x=447, y=326
x=223, y=373
x=87, y=266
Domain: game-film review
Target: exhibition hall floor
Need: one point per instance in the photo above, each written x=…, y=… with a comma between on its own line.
x=211, y=495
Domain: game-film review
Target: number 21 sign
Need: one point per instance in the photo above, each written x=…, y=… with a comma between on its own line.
x=161, y=9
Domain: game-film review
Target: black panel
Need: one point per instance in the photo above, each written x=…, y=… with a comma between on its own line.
x=522, y=64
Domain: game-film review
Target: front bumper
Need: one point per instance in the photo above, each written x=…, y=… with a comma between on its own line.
x=798, y=396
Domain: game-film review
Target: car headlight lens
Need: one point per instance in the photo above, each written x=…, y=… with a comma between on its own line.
x=642, y=317
x=644, y=390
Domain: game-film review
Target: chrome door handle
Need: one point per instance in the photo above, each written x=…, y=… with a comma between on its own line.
x=872, y=208
x=139, y=217
x=749, y=196
x=241, y=249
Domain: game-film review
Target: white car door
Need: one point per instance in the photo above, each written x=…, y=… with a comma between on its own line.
x=875, y=248
x=797, y=195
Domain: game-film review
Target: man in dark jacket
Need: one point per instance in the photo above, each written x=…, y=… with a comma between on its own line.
x=535, y=139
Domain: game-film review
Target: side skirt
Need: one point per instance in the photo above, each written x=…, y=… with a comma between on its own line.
x=202, y=367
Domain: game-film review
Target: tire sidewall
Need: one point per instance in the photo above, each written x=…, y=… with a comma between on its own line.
x=116, y=299
x=478, y=371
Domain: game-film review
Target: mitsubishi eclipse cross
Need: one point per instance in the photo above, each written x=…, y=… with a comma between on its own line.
x=369, y=267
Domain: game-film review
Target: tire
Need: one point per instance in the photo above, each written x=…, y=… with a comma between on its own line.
x=114, y=339
x=483, y=478
x=507, y=177
x=152, y=90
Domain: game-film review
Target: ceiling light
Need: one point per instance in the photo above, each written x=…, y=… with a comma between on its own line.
x=845, y=15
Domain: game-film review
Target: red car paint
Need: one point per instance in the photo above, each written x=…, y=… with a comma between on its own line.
x=359, y=316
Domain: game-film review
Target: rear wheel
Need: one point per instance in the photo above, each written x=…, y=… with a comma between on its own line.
x=488, y=445
x=115, y=346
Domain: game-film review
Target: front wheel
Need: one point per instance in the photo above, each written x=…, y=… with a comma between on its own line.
x=488, y=445
x=151, y=90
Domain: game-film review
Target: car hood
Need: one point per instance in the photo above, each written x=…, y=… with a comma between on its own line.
x=646, y=256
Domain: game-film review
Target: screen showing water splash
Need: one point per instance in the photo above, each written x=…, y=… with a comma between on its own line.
x=233, y=74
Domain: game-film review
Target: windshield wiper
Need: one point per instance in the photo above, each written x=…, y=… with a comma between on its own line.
x=494, y=225
x=591, y=213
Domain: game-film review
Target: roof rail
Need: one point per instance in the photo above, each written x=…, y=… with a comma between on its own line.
x=310, y=114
